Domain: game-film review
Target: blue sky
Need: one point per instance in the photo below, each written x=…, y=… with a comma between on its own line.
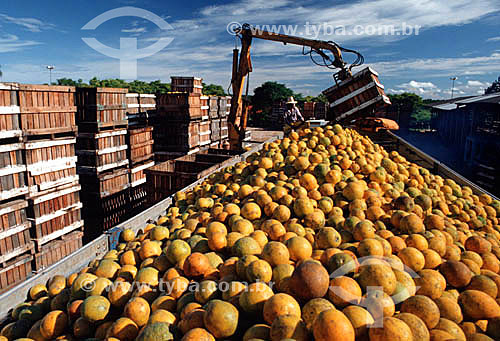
x=456, y=38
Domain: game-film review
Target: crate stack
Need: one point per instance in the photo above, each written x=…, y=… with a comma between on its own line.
x=213, y=113
x=54, y=208
x=102, y=149
x=309, y=109
x=139, y=108
x=140, y=146
x=320, y=110
x=178, y=117
x=16, y=247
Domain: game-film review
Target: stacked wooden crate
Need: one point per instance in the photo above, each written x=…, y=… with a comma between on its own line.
x=320, y=111
x=49, y=132
x=140, y=144
x=139, y=108
x=180, y=117
x=103, y=163
x=308, y=112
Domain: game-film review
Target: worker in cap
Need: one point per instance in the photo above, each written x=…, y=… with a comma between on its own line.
x=292, y=117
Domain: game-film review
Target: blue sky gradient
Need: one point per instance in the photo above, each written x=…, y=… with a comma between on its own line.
x=456, y=38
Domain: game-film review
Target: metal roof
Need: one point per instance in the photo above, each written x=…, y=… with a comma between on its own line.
x=445, y=106
x=491, y=98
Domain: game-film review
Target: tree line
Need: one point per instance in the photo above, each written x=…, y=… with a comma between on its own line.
x=153, y=87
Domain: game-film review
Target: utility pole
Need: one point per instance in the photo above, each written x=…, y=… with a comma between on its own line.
x=50, y=68
x=453, y=79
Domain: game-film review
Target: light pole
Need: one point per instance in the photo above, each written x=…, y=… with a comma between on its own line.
x=453, y=79
x=50, y=68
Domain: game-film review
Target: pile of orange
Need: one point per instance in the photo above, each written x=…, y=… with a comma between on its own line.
x=322, y=235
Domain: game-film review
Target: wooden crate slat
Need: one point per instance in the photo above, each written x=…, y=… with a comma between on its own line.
x=15, y=271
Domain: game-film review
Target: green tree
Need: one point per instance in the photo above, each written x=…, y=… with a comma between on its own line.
x=213, y=90
x=493, y=88
x=269, y=92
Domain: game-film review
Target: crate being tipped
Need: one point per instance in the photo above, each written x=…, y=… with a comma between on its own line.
x=361, y=94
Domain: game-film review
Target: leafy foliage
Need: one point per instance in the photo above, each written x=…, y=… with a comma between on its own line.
x=213, y=90
x=493, y=88
x=135, y=86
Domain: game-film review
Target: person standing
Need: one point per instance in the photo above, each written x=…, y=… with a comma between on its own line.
x=292, y=116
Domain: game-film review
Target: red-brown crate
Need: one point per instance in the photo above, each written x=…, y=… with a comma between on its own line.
x=137, y=175
x=102, y=151
x=205, y=133
x=177, y=136
x=15, y=271
x=178, y=99
x=14, y=230
x=100, y=108
x=9, y=111
x=224, y=131
x=52, y=226
x=56, y=250
x=356, y=95
x=215, y=130
x=105, y=184
x=47, y=109
x=12, y=171
x=140, y=142
x=186, y=84
x=132, y=100
x=50, y=163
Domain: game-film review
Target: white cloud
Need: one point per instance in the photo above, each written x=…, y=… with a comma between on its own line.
x=476, y=84
x=11, y=43
x=30, y=24
x=493, y=39
x=135, y=30
x=421, y=88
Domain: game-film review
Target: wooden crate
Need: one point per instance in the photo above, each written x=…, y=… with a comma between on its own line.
x=167, y=156
x=138, y=198
x=320, y=111
x=178, y=99
x=56, y=250
x=205, y=133
x=223, y=108
x=15, y=271
x=50, y=163
x=132, y=100
x=140, y=144
x=168, y=177
x=213, y=107
x=47, y=109
x=137, y=176
x=177, y=136
x=52, y=226
x=204, y=108
x=104, y=213
x=224, y=130
x=139, y=107
x=14, y=230
x=105, y=184
x=12, y=171
x=101, y=108
x=9, y=111
x=55, y=202
x=187, y=84
x=358, y=95
x=215, y=130
x=102, y=151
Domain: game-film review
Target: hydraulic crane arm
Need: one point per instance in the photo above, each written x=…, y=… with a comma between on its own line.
x=242, y=66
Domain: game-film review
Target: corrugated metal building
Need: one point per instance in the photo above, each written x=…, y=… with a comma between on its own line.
x=473, y=125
